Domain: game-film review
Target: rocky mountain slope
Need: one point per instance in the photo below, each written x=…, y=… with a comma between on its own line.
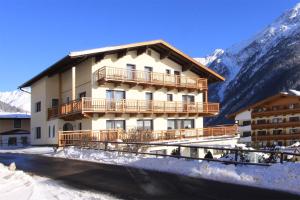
x=259, y=67
x=14, y=101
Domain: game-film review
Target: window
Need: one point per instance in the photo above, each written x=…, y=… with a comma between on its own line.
x=80, y=126
x=145, y=124
x=53, y=131
x=168, y=71
x=12, y=141
x=49, y=131
x=188, y=98
x=24, y=140
x=82, y=94
x=115, y=124
x=67, y=99
x=181, y=123
x=277, y=132
x=149, y=52
x=246, y=134
x=294, y=119
x=115, y=94
x=261, y=121
x=294, y=130
x=17, y=123
x=194, y=152
x=54, y=103
x=277, y=120
x=130, y=71
x=259, y=133
x=38, y=132
x=38, y=107
x=246, y=123
x=169, y=97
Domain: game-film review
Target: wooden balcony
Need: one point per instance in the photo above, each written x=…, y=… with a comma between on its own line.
x=284, y=110
x=269, y=125
x=148, y=79
x=86, y=106
x=291, y=136
x=134, y=135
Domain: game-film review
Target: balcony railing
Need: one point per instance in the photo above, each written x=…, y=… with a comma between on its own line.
x=291, y=136
x=134, y=135
x=136, y=77
x=93, y=105
x=281, y=110
x=268, y=125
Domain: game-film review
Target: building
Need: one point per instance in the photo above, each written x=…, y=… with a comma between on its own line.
x=243, y=120
x=149, y=86
x=274, y=120
x=14, y=129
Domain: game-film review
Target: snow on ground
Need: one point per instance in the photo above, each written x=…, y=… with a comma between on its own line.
x=27, y=150
x=284, y=177
x=16, y=184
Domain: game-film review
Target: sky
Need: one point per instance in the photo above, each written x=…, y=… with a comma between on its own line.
x=36, y=33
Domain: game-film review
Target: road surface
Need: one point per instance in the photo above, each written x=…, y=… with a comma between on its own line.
x=131, y=183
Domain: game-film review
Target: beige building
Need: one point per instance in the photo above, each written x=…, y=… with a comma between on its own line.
x=143, y=86
x=14, y=129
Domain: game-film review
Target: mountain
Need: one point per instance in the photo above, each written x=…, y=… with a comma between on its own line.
x=257, y=68
x=14, y=101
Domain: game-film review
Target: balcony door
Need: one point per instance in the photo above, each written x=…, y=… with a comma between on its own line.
x=148, y=73
x=114, y=99
x=177, y=77
x=188, y=102
x=130, y=72
x=149, y=100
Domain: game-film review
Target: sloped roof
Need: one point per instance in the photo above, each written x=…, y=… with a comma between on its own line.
x=266, y=100
x=15, y=132
x=6, y=115
x=161, y=46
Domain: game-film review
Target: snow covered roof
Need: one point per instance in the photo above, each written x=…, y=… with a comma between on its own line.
x=15, y=116
x=76, y=57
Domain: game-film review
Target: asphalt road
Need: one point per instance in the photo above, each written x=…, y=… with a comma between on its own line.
x=132, y=183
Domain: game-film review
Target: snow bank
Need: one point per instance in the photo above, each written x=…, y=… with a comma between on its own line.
x=284, y=177
x=19, y=185
x=27, y=150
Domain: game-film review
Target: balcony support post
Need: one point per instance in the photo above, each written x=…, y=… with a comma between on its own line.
x=73, y=83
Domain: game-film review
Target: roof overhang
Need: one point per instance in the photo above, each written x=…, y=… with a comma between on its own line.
x=162, y=47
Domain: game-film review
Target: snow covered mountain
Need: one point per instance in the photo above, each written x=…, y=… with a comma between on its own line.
x=260, y=67
x=14, y=101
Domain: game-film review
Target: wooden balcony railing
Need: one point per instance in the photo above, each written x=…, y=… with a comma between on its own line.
x=136, y=77
x=134, y=135
x=93, y=105
x=282, y=110
x=268, y=125
x=291, y=136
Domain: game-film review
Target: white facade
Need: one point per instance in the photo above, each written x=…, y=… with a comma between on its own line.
x=84, y=77
x=243, y=120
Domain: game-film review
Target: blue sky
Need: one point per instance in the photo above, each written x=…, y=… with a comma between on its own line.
x=34, y=33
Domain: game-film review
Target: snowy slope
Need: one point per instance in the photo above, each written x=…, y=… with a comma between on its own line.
x=17, y=99
x=261, y=66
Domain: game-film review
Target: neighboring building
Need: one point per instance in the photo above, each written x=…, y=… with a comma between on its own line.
x=243, y=121
x=274, y=120
x=14, y=129
x=143, y=86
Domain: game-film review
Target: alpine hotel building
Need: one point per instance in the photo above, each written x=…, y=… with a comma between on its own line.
x=150, y=86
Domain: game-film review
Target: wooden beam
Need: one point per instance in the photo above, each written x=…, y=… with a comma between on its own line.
x=99, y=57
x=187, y=67
x=121, y=54
x=164, y=55
x=141, y=50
